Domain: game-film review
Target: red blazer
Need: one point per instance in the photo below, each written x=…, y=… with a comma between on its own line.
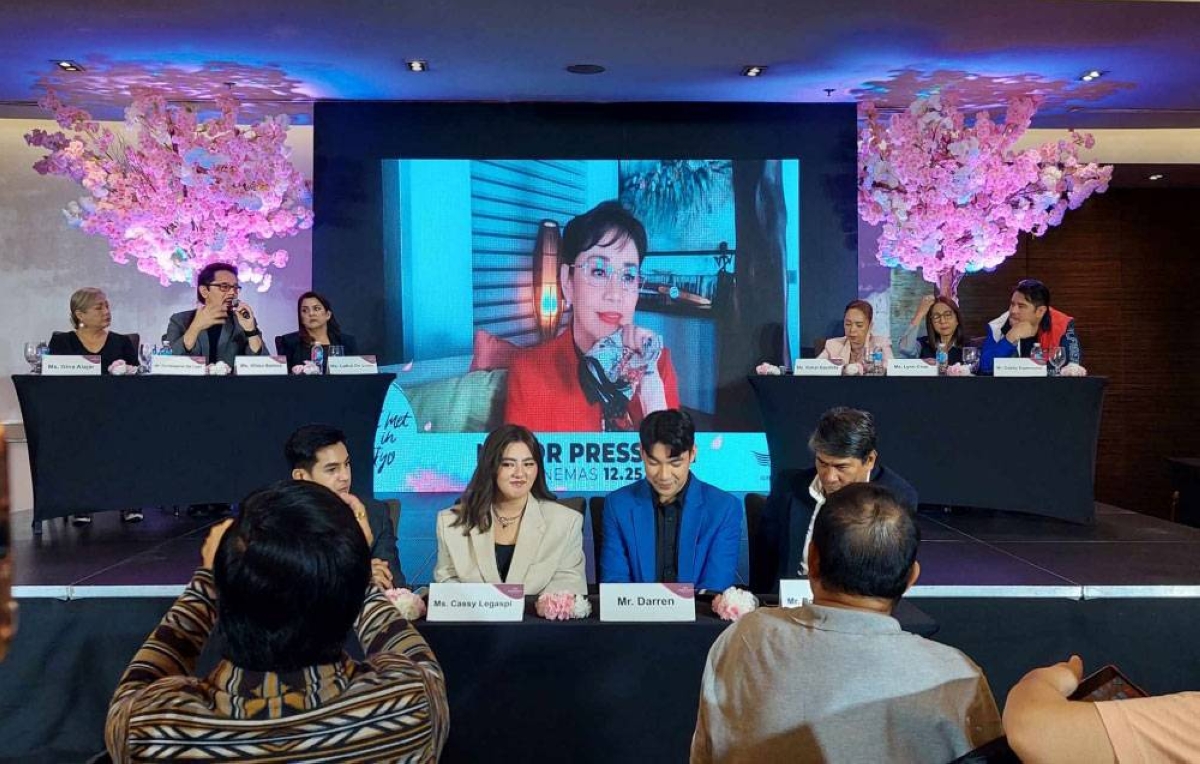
x=544, y=393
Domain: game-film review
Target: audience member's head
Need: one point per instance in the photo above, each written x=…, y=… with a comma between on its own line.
x=1030, y=304
x=843, y=446
x=318, y=453
x=864, y=547
x=291, y=575
x=668, y=440
x=511, y=466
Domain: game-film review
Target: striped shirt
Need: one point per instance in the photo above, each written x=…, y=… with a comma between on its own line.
x=390, y=708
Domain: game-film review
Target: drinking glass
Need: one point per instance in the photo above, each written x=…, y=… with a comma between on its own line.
x=1058, y=358
x=144, y=353
x=337, y=350
x=33, y=357
x=970, y=358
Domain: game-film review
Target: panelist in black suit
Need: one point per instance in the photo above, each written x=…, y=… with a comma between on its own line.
x=314, y=316
x=843, y=446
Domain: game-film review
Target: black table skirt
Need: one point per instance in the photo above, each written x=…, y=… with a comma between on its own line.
x=100, y=443
x=581, y=691
x=1026, y=445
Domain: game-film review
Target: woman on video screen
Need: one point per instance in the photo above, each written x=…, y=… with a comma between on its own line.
x=604, y=372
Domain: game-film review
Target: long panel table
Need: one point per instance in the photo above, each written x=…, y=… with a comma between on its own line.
x=100, y=443
x=1025, y=445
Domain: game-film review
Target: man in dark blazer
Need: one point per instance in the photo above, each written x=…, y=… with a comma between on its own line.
x=671, y=526
x=843, y=446
x=317, y=453
x=223, y=327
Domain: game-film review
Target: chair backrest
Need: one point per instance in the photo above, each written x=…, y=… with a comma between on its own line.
x=762, y=561
x=135, y=338
x=596, y=508
x=393, y=507
x=818, y=346
x=976, y=342
x=577, y=503
x=279, y=344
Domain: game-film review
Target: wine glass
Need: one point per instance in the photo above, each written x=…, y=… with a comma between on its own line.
x=144, y=353
x=1058, y=357
x=970, y=358
x=338, y=350
x=33, y=357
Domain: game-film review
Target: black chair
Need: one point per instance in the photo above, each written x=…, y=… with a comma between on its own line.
x=596, y=507
x=763, y=561
x=577, y=503
x=393, y=507
x=279, y=345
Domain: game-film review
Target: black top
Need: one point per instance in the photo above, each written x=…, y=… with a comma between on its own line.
x=298, y=351
x=504, y=555
x=214, y=339
x=667, y=519
x=929, y=350
x=116, y=347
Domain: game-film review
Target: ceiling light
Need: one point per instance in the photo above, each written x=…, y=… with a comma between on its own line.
x=585, y=69
x=753, y=71
x=68, y=66
x=1157, y=176
x=417, y=65
x=1094, y=74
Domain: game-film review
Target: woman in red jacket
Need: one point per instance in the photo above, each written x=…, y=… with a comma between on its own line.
x=603, y=372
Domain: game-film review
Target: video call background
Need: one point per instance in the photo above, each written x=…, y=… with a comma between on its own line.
x=377, y=297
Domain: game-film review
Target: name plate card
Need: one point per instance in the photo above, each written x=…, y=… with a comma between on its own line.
x=793, y=592
x=177, y=365
x=483, y=603
x=816, y=367
x=625, y=603
x=71, y=365
x=260, y=366
x=912, y=367
x=1018, y=367
x=352, y=364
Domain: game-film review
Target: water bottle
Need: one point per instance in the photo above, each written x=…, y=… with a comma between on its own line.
x=877, y=361
x=318, y=357
x=943, y=360
x=1036, y=355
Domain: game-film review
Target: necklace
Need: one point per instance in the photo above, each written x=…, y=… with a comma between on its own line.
x=507, y=522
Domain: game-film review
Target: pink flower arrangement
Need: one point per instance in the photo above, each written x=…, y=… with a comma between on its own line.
x=733, y=603
x=308, y=367
x=768, y=370
x=958, y=370
x=175, y=193
x=409, y=603
x=218, y=369
x=1073, y=370
x=952, y=199
x=562, y=606
x=119, y=368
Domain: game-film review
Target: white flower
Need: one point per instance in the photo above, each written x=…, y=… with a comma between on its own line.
x=768, y=369
x=583, y=608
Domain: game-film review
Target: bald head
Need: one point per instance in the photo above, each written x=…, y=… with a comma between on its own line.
x=866, y=543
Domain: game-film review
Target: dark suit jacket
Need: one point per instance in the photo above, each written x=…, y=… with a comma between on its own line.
x=710, y=536
x=297, y=352
x=384, y=547
x=777, y=551
x=233, y=341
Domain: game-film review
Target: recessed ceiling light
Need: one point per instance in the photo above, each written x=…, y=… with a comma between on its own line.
x=1094, y=74
x=1157, y=176
x=753, y=71
x=417, y=65
x=585, y=69
x=68, y=66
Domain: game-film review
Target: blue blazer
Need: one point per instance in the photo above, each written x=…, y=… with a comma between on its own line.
x=709, y=536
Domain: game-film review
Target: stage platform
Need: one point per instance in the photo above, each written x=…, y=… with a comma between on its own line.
x=1010, y=590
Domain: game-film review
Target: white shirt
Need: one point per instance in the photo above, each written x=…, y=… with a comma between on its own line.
x=818, y=494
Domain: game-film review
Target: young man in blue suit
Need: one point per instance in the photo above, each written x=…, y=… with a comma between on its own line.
x=670, y=527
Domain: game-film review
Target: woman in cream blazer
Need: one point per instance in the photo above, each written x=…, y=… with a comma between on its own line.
x=859, y=341
x=508, y=518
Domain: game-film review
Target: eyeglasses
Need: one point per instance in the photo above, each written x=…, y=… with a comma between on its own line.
x=941, y=316
x=225, y=288
x=599, y=273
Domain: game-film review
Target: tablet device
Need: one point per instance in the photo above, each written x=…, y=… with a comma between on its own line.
x=1107, y=684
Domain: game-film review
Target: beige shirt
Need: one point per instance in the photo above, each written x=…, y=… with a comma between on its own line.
x=1145, y=730
x=826, y=684
x=548, y=556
